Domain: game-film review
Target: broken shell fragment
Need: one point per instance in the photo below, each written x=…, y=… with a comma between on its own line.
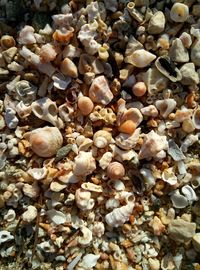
x=115, y=170
x=68, y=68
x=45, y=142
x=140, y=58
x=127, y=127
x=84, y=164
x=178, y=200
x=165, y=106
x=196, y=118
x=179, y=12
x=85, y=105
x=84, y=200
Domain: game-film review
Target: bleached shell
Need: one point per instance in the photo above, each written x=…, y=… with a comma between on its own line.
x=60, y=81
x=26, y=35
x=85, y=145
x=105, y=160
x=118, y=185
x=119, y=215
x=5, y=236
x=189, y=193
x=122, y=155
x=165, y=106
x=188, y=141
x=115, y=170
x=46, y=246
x=92, y=187
x=56, y=217
x=86, y=237
x=132, y=114
x=179, y=201
x=38, y=173
x=112, y=203
x=46, y=141
x=57, y=186
x=84, y=164
x=68, y=178
x=169, y=176
x=195, y=183
x=149, y=111
x=84, y=200
x=98, y=229
x=48, y=52
x=141, y=58
x=89, y=261
x=22, y=110
x=196, y=118
x=10, y=215
x=30, y=214
x=31, y=191
x=68, y=68
x=99, y=91
x=128, y=141
x=102, y=138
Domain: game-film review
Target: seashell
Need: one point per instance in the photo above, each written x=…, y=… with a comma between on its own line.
x=127, y=127
x=157, y=226
x=189, y=193
x=84, y=164
x=179, y=12
x=149, y=111
x=22, y=110
x=25, y=91
x=122, y=155
x=99, y=91
x=196, y=118
x=46, y=247
x=89, y=261
x=85, y=145
x=10, y=215
x=188, y=141
x=48, y=52
x=57, y=217
x=102, y=138
x=71, y=52
x=45, y=142
x=169, y=176
x=26, y=35
x=152, y=145
x=141, y=58
x=149, y=179
x=139, y=89
x=5, y=236
x=38, y=173
x=85, y=105
x=165, y=106
x=98, y=229
x=10, y=118
x=195, y=183
x=119, y=215
x=179, y=201
x=60, y=81
x=7, y=42
x=56, y=186
x=174, y=151
x=68, y=68
x=88, y=63
x=168, y=68
x=84, y=200
x=47, y=110
x=105, y=160
x=31, y=191
x=63, y=35
x=132, y=114
x=112, y=203
x=30, y=214
x=154, y=263
x=115, y=170
x=128, y=141
x=92, y=187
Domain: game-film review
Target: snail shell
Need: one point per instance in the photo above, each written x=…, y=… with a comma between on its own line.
x=46, y=141
x=84, y=164
x=102, y=138
x=115, y=170
x=141, y=58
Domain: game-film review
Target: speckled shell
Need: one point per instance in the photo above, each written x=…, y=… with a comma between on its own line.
x=115, y=170
x=46, y=141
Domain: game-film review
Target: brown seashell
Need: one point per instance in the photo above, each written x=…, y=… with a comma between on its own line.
x=46, y=141
x=7, y=42
x=115, y=170
x=63, y=35
x=85, y=105
x=127, y=127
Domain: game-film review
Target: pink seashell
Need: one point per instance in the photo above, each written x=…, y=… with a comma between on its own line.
x=115, y=170
x=99, y=91
x=45, y=142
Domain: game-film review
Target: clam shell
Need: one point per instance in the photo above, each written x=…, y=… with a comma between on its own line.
x=179, y=201
x=165, y=106
x=46, y=141
x=115, y=170
x=169, y=176
x=56, y=216
x=141, y=58
x=189, y=193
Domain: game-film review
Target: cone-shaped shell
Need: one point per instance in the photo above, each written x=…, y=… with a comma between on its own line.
x=115, y=170
x=46, y=141
x=141, y=58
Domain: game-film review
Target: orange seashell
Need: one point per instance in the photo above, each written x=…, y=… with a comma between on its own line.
x=85, y=105
x=115, y=170
x=127, y=127
x=63, y=35
x=139, y=89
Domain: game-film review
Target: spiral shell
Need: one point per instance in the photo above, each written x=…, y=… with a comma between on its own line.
x=46, y=141
x=84, y=164
x=102, y=138
x=85, y=105
x=115, y=170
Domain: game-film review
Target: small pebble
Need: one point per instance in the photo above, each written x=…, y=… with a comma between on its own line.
x=139, y=89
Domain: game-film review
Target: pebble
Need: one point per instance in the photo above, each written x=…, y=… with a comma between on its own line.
x=157, y=23
x=178, y=53
x=179, y=12
x=196, y=242
x=196, y=10
x=181, y=230
x=195, y=53
x=189, y=75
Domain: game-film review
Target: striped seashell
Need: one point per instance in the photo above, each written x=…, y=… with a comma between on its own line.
x=115, y=170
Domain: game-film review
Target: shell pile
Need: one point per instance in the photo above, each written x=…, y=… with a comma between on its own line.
x=99, y=134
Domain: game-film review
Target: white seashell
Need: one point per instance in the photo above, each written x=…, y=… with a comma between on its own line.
x=56, y=217
x=179, y=201
x=195, y=183
x=169, y=176
x=128, y=141
x=165, y=106
x=11, y=118
x=83, y=199
x=47, y=110
x=60, y=81
x=46, y=141
x=119, y=215
x=71, y=52
x=26, y=35
x=112, y=203
x=122, y=155
x=22, y=110
x=57, y=186
x=189, y=193
x=141, y=58
x=31, y=191
x=188, y=141
x=179, y=12
x=30, y=214
x=38, y=173
x=86, y=237
x=46, y=246
x=148, y=177
x=132, y=114
x=98, y=229
x=65, y=112
x=5, y=236
x=10, y=215
x=99, y=91
x=92, y=187
x=196, y=118
x=149, y=111
x=118, y=185
x=68, y=178
x=102, y=138
x=89, y=261
x=84, y=164
x=152, y=145
x=105, y=160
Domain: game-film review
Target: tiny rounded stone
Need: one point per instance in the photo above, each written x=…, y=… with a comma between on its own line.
x=85, y=105
x=139, y=89
x=179, y=12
